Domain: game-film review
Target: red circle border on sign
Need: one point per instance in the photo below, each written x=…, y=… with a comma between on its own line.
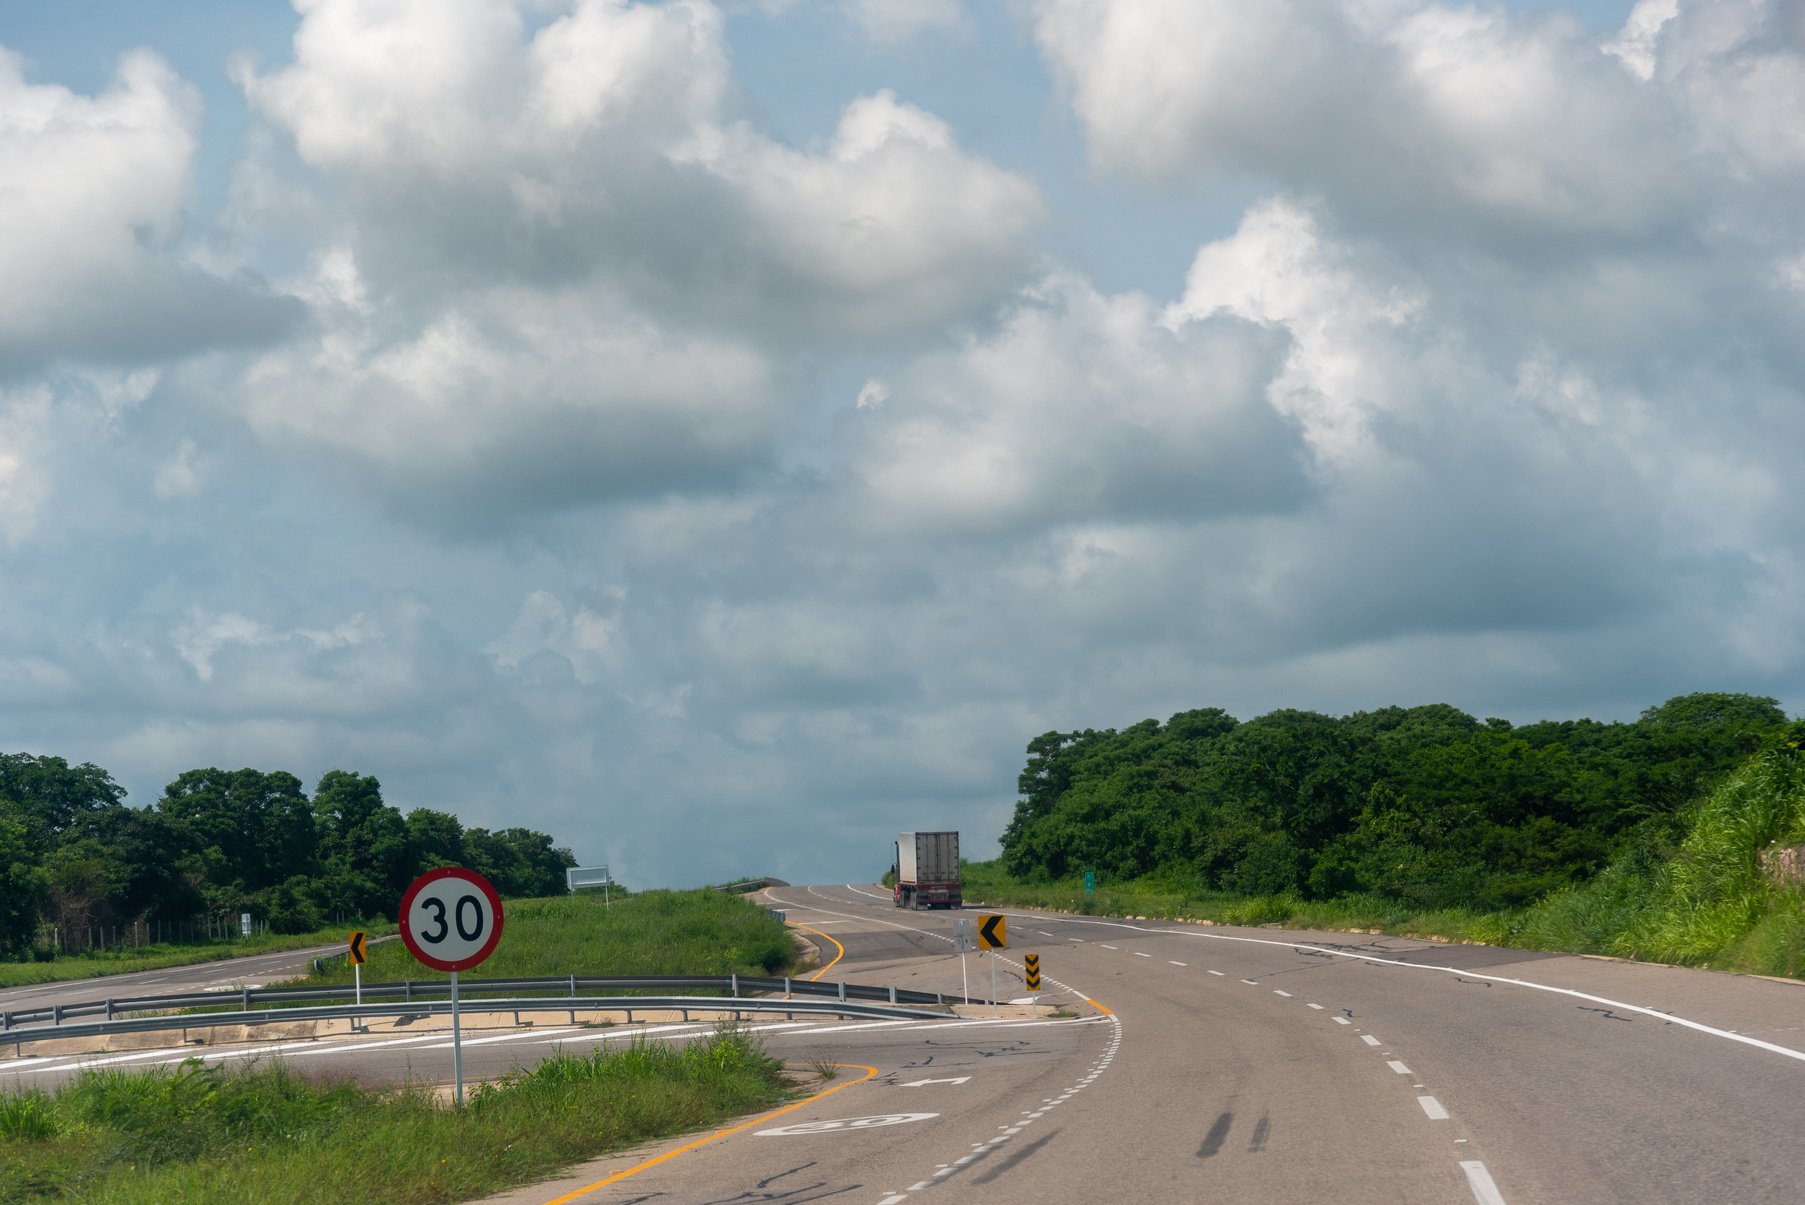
x=407, y=932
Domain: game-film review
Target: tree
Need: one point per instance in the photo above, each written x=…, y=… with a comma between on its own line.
x=22, y=886
x=520, y=862
x=51, y=795
x=367, y=858
x=436, y=839
x=246, y=830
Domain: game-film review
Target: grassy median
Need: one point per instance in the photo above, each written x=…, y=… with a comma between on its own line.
x=155, y=957
x=204, y=1133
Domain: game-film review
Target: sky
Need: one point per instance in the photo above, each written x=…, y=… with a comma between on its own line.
x=722, y=435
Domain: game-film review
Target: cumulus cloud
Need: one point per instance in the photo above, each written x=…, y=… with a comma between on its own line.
x=512, y=400
x=1083, y=407
x=764, y=475
x=1413, y=117
x=891, y=22
x=603, y=142
x=95, y=189
x=567, y=272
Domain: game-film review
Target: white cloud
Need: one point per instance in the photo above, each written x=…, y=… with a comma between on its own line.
x=1412, y=117
x=514, y=400
x=180, y=474
x=1082, y=407
x=94, y=191
x=603, y=144
x=564, y=270
x=890, y=22
x=872, y=394
x=587, y=639
x=24, y=416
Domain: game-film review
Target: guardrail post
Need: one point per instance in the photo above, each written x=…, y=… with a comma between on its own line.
x=736, y=985
x=109, y=1008
x=407, y=991
x=786, y=987
x=893, y=993
x=842, y=991
x=56, y=1014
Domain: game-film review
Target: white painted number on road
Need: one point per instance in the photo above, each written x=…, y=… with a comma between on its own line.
x=844, y=1123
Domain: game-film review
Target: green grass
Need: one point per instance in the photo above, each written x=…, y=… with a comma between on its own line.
x=699, y=932
x=265, y=1134
x=156, y=957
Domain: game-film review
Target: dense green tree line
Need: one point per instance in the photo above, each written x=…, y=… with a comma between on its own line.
x=73, y=855
x=1426, y=805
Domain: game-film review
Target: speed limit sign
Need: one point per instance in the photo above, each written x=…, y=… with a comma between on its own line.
x=451, y=918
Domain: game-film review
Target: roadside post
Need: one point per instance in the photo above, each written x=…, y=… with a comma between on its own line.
x=1090, y=883
x=964, y=939
x=993, y=935
x=358, y=957
x=451, y=921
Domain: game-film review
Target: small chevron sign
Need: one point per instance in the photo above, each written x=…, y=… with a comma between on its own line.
x=993, y=932
x=1032, y=963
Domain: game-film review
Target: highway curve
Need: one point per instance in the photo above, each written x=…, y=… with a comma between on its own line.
x=1206, y=1064
x=1259, y=1065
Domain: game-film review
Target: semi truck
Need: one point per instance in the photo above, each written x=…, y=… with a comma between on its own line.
x=927, y=871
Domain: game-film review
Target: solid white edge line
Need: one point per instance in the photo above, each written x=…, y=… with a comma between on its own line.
x=1485, y=1191
x=1657, y=1014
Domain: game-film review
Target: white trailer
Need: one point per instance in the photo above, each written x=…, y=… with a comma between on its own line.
x=927, y=871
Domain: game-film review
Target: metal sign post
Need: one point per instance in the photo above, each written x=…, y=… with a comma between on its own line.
x=357, y=957
x=993, y=935
x=457, y=1044
x=963, y=940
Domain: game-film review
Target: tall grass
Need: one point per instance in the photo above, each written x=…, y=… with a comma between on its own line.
x=699, y=932
x=1712, y=895
x=265, y=1134
x=95, y=963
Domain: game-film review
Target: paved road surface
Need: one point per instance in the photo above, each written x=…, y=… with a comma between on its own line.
x=254, y=971
x=1206, y=1064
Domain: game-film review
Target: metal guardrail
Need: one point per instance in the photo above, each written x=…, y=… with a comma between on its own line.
x=571, y=1004
x=476, y=990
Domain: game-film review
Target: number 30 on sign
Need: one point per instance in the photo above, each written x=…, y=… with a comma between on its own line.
x=451, y=918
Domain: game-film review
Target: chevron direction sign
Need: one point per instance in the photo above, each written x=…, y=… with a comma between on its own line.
x=992, y=932
x=1032, y=963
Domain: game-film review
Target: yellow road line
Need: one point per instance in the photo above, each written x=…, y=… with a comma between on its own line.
x=654, y=1162
x=830, y=966
x=1099, y=1006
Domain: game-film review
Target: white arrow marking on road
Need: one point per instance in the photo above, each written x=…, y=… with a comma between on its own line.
x=922, y=1083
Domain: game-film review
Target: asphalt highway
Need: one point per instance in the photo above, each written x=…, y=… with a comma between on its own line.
x=1187, y=1063
x=223, y=975
x=1237, y=1065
